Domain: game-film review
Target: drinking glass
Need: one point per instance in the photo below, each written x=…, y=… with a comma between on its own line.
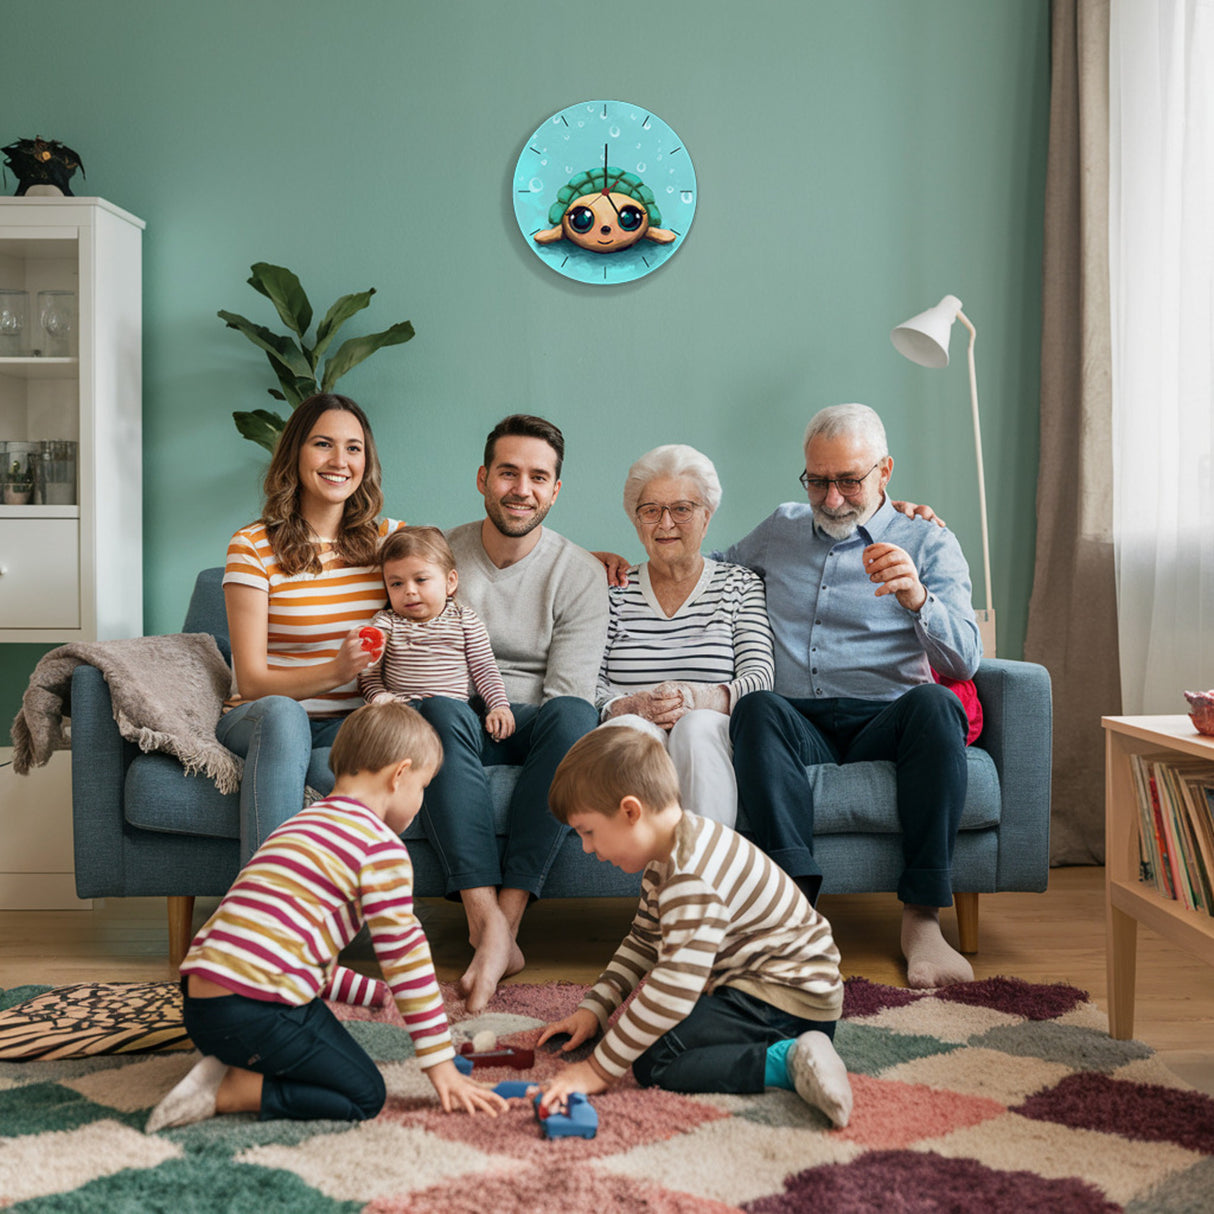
x=14, y=313
x=58, y=472
x=57, y=317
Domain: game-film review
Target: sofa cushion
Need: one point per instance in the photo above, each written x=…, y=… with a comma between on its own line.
x=857, y=798
x=861, y=798
x=158, y=795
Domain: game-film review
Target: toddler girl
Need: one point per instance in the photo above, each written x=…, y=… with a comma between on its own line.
x=432, y=644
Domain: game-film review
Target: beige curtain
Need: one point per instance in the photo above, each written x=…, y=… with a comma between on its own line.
x=1072, y=626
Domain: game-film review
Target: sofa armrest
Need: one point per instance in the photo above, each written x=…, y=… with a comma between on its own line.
x=100, y=757
x=1017, y=732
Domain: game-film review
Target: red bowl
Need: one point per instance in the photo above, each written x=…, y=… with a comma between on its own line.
x=1201, y=711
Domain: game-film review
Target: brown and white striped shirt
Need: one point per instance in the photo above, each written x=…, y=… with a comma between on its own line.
x=716, y=912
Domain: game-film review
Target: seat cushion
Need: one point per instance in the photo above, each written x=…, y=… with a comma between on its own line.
x=861, y=798
x=160, y=796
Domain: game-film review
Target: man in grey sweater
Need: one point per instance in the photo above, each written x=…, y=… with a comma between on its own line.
x=544, y=602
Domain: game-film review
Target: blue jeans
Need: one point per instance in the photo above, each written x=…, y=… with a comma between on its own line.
x=283, y=749
x=457, y=812
x=312, y=1067
x=721, y=1045
x=923, y=731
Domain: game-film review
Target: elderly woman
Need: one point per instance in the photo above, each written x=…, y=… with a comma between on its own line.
x=687, y=636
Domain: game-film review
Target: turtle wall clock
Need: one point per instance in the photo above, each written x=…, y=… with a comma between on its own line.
x=604, y=192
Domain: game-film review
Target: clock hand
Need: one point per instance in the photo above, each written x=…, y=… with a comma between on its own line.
x=606, y=188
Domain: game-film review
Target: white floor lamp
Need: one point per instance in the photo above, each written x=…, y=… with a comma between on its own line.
x=924, y=340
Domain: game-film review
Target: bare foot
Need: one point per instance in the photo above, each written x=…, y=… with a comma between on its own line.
x=930, y=960
x=497, y=956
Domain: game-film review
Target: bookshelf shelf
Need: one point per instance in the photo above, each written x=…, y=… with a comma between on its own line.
x=1129, y=901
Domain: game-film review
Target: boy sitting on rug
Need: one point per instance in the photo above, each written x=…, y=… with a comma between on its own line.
x=743, y=988
x=255, y=973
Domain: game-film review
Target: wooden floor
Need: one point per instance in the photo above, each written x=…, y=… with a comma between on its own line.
x=1057, y=936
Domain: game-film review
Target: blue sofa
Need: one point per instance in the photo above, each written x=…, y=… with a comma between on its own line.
x=142, y=827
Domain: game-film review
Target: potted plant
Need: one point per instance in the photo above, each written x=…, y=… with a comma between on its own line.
x=293, y=360
x=18, y=484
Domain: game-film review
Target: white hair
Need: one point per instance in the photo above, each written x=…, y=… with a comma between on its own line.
x=673, y=459
x=854, y=421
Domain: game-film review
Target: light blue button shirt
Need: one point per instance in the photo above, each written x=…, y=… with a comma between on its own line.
x=833, y=635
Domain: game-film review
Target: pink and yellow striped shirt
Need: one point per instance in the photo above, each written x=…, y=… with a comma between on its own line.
x=304, y=895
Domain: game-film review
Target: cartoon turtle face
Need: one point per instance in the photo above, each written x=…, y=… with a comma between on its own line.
x=604, y=210
x=605, y=223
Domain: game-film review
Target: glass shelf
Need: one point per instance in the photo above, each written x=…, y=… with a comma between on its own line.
x=40, y=368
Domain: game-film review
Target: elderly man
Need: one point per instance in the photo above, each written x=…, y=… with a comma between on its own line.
x=864, y=604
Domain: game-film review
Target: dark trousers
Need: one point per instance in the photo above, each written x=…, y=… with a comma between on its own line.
x=721, y=1045
x=922, y=732
x=313, y=1068
x=457, y=813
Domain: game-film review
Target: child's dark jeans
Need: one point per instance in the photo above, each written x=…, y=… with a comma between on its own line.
x=313, y=1068
x=721, y=1045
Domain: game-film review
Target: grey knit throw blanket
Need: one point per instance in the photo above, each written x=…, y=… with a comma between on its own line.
x=168, y=692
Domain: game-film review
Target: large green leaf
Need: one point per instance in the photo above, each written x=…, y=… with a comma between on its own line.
x=281, y=349
x=351, y=353
x=337, y=316
x=261, y=426
x=285, y=292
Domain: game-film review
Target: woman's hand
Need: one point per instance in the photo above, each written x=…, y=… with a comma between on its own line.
x=663, y=710
x=698, y=696
x=456, y=1091
x=581, y=1024
x=615, y=565
x=499, y=723
x=918, y=510
x=353, y=657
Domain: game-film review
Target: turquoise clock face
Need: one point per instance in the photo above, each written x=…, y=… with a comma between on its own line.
x=604, y=192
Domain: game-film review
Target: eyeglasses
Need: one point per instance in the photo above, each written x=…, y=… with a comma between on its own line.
x=847, y=485
x=681, y=513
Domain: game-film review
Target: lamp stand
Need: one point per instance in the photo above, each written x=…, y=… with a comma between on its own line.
x=986, y=619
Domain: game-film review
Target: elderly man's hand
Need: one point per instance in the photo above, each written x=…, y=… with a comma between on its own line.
x=895, y=573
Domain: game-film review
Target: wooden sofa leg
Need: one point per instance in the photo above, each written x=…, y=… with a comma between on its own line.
x=967, y=921
x=181, y=919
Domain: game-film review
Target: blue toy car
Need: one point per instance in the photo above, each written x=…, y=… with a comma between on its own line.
x=579, y=1120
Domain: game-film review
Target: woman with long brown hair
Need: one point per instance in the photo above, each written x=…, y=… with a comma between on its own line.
x=298, y=585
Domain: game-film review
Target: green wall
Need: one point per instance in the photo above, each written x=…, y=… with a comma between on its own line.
x=855, y=162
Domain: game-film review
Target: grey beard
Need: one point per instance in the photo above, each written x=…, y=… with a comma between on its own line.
x=836, y=528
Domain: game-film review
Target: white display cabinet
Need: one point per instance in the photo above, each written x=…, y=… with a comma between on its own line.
x=71, y=558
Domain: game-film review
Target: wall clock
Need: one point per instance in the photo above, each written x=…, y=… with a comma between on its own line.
x=604, y=192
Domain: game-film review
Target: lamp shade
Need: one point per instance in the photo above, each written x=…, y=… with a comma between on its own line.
x=924, y=338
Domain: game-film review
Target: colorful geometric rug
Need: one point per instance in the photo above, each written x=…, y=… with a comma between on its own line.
x=988, y=1097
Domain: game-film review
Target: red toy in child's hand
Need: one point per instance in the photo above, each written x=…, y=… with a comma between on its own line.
x=372, y=638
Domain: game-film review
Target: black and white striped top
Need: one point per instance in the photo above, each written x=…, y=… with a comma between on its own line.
x=719, y=635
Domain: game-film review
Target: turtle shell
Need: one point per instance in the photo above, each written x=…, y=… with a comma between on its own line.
x=616, y=181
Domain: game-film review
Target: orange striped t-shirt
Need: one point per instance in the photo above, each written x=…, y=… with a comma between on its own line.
x=310, y=613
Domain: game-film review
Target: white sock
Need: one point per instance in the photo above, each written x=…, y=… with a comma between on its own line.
x=193, y=1099
x=819, y=1076
x=930, y=960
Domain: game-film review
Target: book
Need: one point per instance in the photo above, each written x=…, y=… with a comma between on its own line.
x=1175, y=795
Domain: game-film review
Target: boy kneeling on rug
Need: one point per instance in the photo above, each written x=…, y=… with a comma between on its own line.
x=255, y=974
x=743, y=989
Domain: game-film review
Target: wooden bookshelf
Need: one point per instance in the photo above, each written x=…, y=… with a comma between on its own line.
x=1128, y=900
